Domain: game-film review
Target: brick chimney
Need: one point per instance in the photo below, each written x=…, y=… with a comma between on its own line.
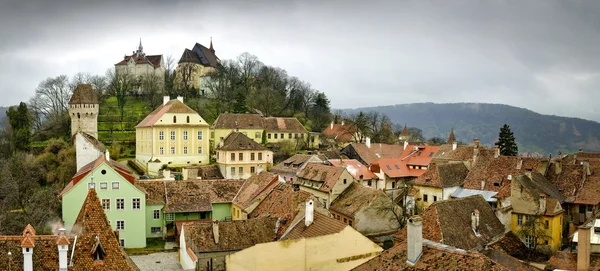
x=583, y=247
x=414, y=240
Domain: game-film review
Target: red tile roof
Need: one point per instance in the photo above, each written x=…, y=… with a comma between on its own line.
x=355, y=168
x=328, y=175
x=84, y=94
x=417, y=157
x=340, y=132
x=85, y=170
x=494, y=172
x=233, y=235
x=255, y=189
x=322, y=225
x=173, y=106
x=284, y=125
x=367, y=155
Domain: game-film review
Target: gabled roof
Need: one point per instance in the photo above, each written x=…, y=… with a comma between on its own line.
x=84, y=94
x=569, y=179
x=367, y=155
x=255, y=188
x=200, y=55
x=568, y=261
x=451, y=137
x=294, y=163
x=415, y=156
x=328, y=175
x=238, y=121
x=536, y=185
x=172, y=107
x=322, y=225
x=235, y=141
x=284, y=203
x=340, y=132
x=443, y=175
x=85, y=170
x=355, y=198
x=449, y=222
x=154, y=190
x=206, y=172
x=233, y=235
x=284, y=125
x=90, y=139
x=461, y=153
x=45, y=252
x=92, y=225
x=154, y=60
x=199, y=195
x=495, y=171
x=355, y=168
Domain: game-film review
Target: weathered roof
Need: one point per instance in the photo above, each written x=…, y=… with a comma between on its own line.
x=255, y=188
x=153, y=60
x=443, y=175
x=489, y=196
x=198, y=195
x=449, y=222
x=451, y=137
x=366, y=155
x=294, y=163
x=92, y=140
x=322, y=225
x=590, y=192
x=537, y=184
x=461, y=153
x=328, y=175
x=154, y=190
x=235, y=141
x=494, y=172
x=238, y=121
x=511, y=244
x=355, y=168
x=340, y=132
x=93, y=226
x=207, y=172
x=434, y=256
x=84, y=94
x=284, y=125
x=355, y=198
x=171, y=107
x=568, y=261
x=45, y=254
x=284, y=203
x=233, y=235
x=569, y=179
x=85, y=170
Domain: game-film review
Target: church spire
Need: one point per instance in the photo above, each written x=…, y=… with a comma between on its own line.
x=140, y=50
x=211, y=46
x=451, y=138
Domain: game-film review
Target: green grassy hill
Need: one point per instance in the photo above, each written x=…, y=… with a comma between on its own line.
x=534, y=132
x=110, y=126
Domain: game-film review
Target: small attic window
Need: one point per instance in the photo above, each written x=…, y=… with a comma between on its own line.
x=419, y=153
x=188, y=119
x=496, y=184
x=430, y=154
x=174, y=119
x=98, y=252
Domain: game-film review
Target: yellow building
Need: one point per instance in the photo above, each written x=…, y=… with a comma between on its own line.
x=323, y=181
x=195, y=66
x=254, y=190
x=173, y=134
x=315, y=242
x=438, y=183
x=239, y=157
x=251, y=125
x=536, y=211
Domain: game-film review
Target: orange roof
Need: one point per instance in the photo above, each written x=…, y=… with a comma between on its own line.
x=355, y=168
x=339, y=132
x=412, y=162
x=85, y=170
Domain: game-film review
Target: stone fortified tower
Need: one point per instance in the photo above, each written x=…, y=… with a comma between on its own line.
x=83, y=110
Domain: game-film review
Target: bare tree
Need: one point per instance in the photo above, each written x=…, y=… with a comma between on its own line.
x=187, y=72
x=50, y=104
x=152, y=88
x=170, y=73
x=120, y=86
x=533, y=232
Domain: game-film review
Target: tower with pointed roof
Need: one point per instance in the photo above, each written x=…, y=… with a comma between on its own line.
x=194, y=67
x=451, y=138
x=83, y=110
x=404, y=135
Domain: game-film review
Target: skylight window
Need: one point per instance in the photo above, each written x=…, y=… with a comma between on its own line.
x=388, y=167
x=430, y=154
x=419, y=154
x=397, y=167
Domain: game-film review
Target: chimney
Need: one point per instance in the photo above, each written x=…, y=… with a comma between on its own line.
x=454, y=145
x=63, y=248
x=180, y=98
x=27, y=246
x=583, y=247
x=107, y=155
x=476, y=143
x=368, y=142
x=482, y=184
x=405, y=144
x=580, y=150
x=215, y=226
x=414, y=239
x=309, y=217
x=331, y=125
x=475, y=222
x=342, y=122
x=166, y=99
x=496, y=151
x=542, y=203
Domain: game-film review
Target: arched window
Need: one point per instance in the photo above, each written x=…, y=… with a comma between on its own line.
x=78, y=116
x=174, y=119
x=188, y=119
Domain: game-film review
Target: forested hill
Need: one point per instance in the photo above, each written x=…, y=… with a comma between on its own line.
x=534, y=132
x=3, y=113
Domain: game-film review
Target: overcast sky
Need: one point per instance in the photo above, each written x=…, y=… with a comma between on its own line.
x=541, y=55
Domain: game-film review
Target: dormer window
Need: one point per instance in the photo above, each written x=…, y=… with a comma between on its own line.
x=98, y=252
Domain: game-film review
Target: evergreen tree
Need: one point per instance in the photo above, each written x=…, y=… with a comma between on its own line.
x=19, y=120
x=506, y=142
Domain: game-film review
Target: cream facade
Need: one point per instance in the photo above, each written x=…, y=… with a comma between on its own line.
x=241, y=164
x=340, y=251
x=217, y=135
x=175, y=136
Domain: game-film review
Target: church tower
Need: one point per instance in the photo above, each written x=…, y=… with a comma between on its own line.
x=83, y=110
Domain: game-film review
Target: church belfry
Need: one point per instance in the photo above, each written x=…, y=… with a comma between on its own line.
x=83, y=110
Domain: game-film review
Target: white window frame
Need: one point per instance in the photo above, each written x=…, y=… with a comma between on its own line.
x=172, y=150
x=158, y=232
x=185, y=150
x=103, y=186
x=156, y=214
x=161, y=135
x=170, y=216
x=185, y=135
x=122, y=227
x=161, y=150
x=200, y=150
x=122, y=242
x=117, y=204
x=199, y=135
x=139, y=203
x=232, y=171
x=105, y=209
x=172, y=135
x=113, y=185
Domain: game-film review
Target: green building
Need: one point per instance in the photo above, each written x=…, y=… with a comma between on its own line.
x=123, y=203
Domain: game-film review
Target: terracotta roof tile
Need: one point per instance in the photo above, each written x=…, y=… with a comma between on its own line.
x=355, y=168
x=321, y=226
x=83, y=94
x=328, y=175
x=255, y=188
x=461, y=153
x=198, y=195
x=85, y=170
x=340, y=132
x=294, y=163
x=238, y=121
x=154, y=189
x=366, y=155
x=355, y=198
x=443, y=175
x=237, y=141
x=207, y=172
x=233, y=235
x=494, y=172
x=284, y=125
x=568, y=261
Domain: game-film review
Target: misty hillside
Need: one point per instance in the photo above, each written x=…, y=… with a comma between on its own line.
x=3, y=113
x=534, y=132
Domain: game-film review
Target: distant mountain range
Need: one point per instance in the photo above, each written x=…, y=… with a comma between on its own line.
x=534, y=132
